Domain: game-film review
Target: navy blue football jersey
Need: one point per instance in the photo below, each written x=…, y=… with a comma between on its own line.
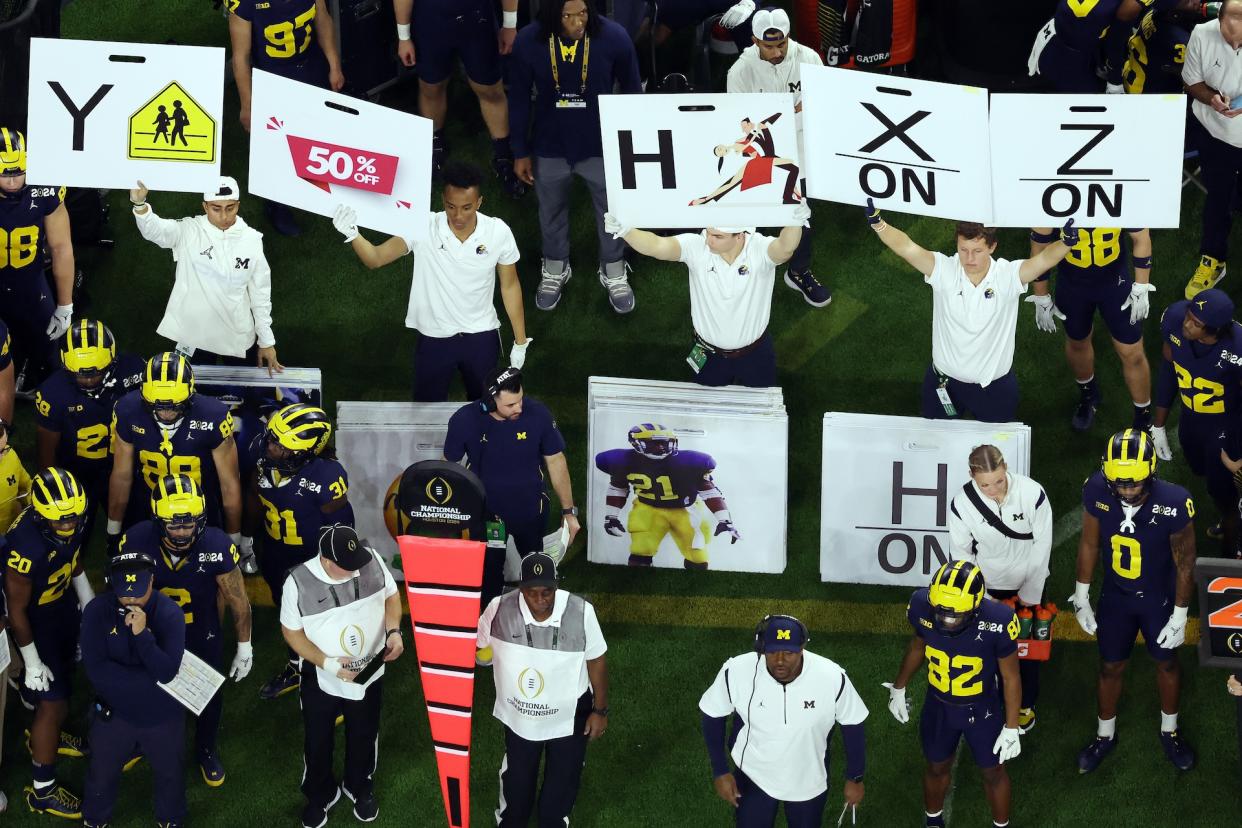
x=6, y=347
x=1100, y=255
x=667, y=483
x=205, y=426
x=21, y=229
x=1137, y=554
x=1155, y=55
x=84, y=422
x=282, y=31
x=965, y=668
x=1083, y=22
x=190, y=581
x=1208, y=376
x=48, y=566
x=293, y=506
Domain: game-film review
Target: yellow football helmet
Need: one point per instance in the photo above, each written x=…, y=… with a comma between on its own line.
x=653, y=440
x=955, y=595
x=88, y=351
x=57, y=498
x=177, y=502
x=296, y=434
x=12, y=152
x=168, y=383
x=1130, y=460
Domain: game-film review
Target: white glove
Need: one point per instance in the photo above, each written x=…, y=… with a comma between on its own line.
x=1174, y=633
x=1081, y=602
x=345, y=220
x=897, y=704
x=517, y=354
x=1114, y=89
x=38, y=677
x=1139, y=303
x=615, y=228
x=1163, y=451
x=82, y=586
x=242, y=662
x=737, y=14
x=802, y=213
x=1046, y=313
x=245, y=553
x=1008, y=744
x=62, y=318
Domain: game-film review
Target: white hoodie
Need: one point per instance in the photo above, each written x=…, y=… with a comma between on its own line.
x=221, y=299
x=750, y=73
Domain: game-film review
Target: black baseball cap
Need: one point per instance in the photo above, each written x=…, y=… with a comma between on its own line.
x=341, y=545
x=538, y=570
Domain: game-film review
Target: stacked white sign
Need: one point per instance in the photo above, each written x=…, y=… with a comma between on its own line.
x=744, y=432
x=886, y=487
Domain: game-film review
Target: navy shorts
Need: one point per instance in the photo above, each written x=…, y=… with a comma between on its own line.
x=468, y=31
x=1079, y=299
x=1068, y=70
x=942, y=725
x=1201, y=441
x=313, y=70
x=997, y=403
x=1120, y=617
x=56, y=638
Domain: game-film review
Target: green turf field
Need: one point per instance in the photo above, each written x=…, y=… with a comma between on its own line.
x=668, y=632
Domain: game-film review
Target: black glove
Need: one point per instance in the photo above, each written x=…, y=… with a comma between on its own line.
x=612, y=525
x=727, y=527
x=113, y=545
x=1069, y=234
x=873, y=213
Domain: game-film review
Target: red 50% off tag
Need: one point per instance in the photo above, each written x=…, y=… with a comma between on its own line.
x=323, y=164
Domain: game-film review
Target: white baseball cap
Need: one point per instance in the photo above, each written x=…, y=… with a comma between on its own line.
x=766, y=20
x=732, y=230
x=226, y=190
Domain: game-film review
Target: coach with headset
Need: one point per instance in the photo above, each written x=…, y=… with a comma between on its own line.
x=785, y=702
x=506, y=438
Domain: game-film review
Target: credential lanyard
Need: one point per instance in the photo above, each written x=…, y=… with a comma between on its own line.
x=556, y=73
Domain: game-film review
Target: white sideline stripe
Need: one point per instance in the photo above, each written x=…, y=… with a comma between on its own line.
x=444, y=633
x=446, y=593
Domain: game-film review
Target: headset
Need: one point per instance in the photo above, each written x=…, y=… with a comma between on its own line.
x=488, y=401
x=131, y=562
x=762, y=628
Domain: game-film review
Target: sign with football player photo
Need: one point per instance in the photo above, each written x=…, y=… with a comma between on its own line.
x=106, y=114
x=886, y=488
x=914, y=146
x=1056, y=157
x=709, y=160
x=317, y=149
x=680, y=487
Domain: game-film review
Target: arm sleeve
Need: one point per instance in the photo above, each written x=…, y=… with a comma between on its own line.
x=161, y=652
x=855, y=739
x=260, y=292
x=959, y=533
x=455, y=437
x=290, y=618
x=714, y=736
x=1032, y=589
x=595, y=644
x=164, y=232
x=1192, y=66
x=628, y=79
x=520, y=80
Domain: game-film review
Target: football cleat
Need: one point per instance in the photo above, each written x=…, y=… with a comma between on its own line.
x=1026, y=720
x=1216, y=531
x=58, y=802
x=70, y=745
x=620, y=294
x=132, y=761
x=1180, y=753
x=513, y=186
x=1090, y=757
x=639, y=560
x=936, y=821
x=548, y=294
x=694, y=564
x=286, y=681
x=1088, y=401
x=315, y=817
x=1207, y=275
x=483, y=657
x=212, y=768
x=815, y=294
x=366, y=809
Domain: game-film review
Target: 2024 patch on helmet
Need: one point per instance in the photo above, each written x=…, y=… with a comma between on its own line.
x=177, y=501
x=653, y=440
x=57, y=498
x=302, y=430
x=88, y=350
x=955, y=594
x=168, y=383
x=1130, y=460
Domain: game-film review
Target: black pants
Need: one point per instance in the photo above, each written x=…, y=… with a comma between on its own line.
x=756, y=369
x=519, y=775
x=362, y=719
x=207, y=724
x=204, y=357
x=113, y=743
x=758, y=809
x=1220, y=164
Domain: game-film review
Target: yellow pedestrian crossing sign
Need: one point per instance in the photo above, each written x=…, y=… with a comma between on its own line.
x=172, y=127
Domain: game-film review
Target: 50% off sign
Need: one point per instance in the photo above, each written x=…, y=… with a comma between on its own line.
x=323, y=164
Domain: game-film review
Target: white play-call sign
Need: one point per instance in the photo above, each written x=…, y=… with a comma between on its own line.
x=910, y=145
x=1102, y=160
x=107, y=114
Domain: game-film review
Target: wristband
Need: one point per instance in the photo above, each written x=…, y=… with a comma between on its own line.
x=114, y=527
x=1142, y=262
x=1045, y=238
x=396, y=630
x=138, y=204
x=508, y=20
x=600, y=711
x=403, y=31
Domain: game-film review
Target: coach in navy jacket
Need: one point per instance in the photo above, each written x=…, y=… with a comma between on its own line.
x=557, y=135
x=132, y=638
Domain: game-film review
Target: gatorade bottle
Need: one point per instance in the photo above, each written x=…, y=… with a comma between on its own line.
x=1211, y=10
x=1024, y=622
x=1041, y=630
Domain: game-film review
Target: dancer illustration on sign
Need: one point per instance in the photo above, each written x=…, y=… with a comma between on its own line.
x=759, y=148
